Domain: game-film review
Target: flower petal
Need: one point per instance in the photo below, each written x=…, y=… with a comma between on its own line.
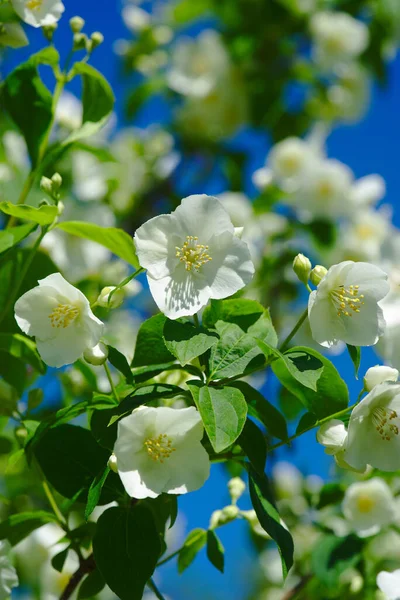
x=155, y=243
x=203, y=216
x=181, y=294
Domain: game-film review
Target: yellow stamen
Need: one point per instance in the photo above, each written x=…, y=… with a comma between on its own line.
x=348, y=301
x=159, y=448
x=192, y=254
x=365, y=504
x=381, y=418
x=34, y=4
x=63, y=315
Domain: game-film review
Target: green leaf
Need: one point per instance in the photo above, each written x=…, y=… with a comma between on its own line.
x=331, y=394
x=332, y=556
x=30, y=105
x=331, y=493
x=253, y=443
x=19, y=526
x=215, y=550
x=35, y=398
x=70, y=459
x=240, y=311
x=269, y=518
x=186, y=342
x=355, y=355
x=22, y=348
x=116, y=240
x=104, y=427
x=126, y=548
x=59, y=559
x=95, y=491
x=150, y=347
x=44, y=215
x=259, y=408
x=97, y=100
x=13, y=235
x=118, y=360
x=92, y=585
x=148, y=393
x=223, y=411
x=195, y=541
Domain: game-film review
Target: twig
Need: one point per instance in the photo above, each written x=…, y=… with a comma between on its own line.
x=87, y=566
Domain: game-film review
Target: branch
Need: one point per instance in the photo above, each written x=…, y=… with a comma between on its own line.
x=87, y=566
x=291, y=595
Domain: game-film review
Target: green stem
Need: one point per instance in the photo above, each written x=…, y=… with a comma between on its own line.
x=295, y=329
x=169, y=557
x=124, y=283
x=155, y=589
x=196, y=320
x=53, y=503
x=108, y=373
x=24, y=271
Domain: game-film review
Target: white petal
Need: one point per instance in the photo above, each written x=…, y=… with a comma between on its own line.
x=389, y=584
x=326, y=327
x=332, y=435
x=143, y=477
x=180, y=422
x=203, y=216
x=62, y=287
x=379, y=374
x=182, y=294
x=155, y=243
x=189, y=468
x=368, y=190
x=48, y=13
x=234, y=271
x=32, y=311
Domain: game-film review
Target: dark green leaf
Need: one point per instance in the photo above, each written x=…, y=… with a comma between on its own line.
x=194, y=542
x=19, y=526
x=253, y=443
x=44, y=215
x=150, y=347
x=95, y=491
x=223, y=411
x=331, y=493
x=118, y=360
x=306, y=421
x=104, y=428
x=186, y=342
x=126, y=549
x=355, y=355
x=13, y=235
x=215, y=550
x=35, y=398
x=92, y=585
x=148, y=393
x=59, y=559
x=22, y=348
x=240, y=311
x=269, y=518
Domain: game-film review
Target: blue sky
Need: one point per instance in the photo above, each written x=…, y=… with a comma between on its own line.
x=371, y=146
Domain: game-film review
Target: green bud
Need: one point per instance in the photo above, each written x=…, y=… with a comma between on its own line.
x=80, y=41
x=48, y=31
x=57, y=181
x=317, y=274
x=96, y=355
x=224, y=516
x=21, y=433
x=302, y=268
x=116, y=299
x=112, y=463
x=96, y=38
x=236, y=487
x=46, y=185
x=77, y=24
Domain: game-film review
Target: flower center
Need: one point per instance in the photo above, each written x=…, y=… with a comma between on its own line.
x=365, y=504
x=348, y=301
x=383, y=422
x=34, y=4
x=192, y=254
x=291, y=163
x=365, y=231
x=63, y=315
x=159, y=448
x=325, y=190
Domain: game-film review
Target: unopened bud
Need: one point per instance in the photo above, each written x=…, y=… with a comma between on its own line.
x=113, y=301
x=77, y=24
x=379, y=374
x=57, y=181
x=236, y=487
x=96, y=355
x=224, y=516
x=302, y=268
x=21, y=433
x=96, y=38
x=112, y=463
x=317, y=274
x=80, y=41
x=46, y=185
x=60, y=208
x=48, y=31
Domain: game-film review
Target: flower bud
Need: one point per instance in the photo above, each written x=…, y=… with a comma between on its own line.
x=332, y=435
x=224, y=516
x=77, y=24
x=302, y=268
x=112, y=463
x=48, y=31
x=378, y=374
x=236, y=487
x=56, y=181
x=96, y=355
x=80, y=41
x=317, y=274
x=97, y=38
x=117, y=297
x=21, y=433
x=60, y=208
x=46, y=185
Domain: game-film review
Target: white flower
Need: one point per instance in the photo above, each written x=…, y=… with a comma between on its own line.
x=135, y=18
x=350, y=94
x=59, y=317
x=362, y=238
x=288, y=480
x=338, y=37
x=69, y=111
x=389, y=344
x=8, y=575
x=198, y=65
x=369, y=506
x=368, y=190
x=373, y=430
x=332, y=435
x=345, y=306
x=379, y=374
x=289, y=160
x=159, y=450
x=39, y=12
x=192, y=255
x=389, y=584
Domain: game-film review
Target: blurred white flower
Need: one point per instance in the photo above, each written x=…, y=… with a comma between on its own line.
x=389, y=344
x=135, y=18
x=337, y=37
x=379, y=374
x=69, y=111
x=288, y=480
x=60, y=318
x=35, y=551
x=290, y=160
x=345, y=306
x=159, y=450
x=192, y=255
x=8, y=575
x=373, y=430
x=389, y=584
x=39, y=12
x=198, y=65
x=368, y=506
x=368, y=190
x=350, y=94
x=90, y=182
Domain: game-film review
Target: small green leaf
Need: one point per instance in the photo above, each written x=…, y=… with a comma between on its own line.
x=150, y=346
x=223, y=411
x=331, y=493
x=195, y=541
x=253, y=443
x=19, y=526
x=59, y=559
x=118, y=360
x=269, y=518
x=186, y=342
x=44, y=215
x=240, y=311
x=215, y=550
x=22, y=348
x=14, y=235
x=126, y=548
x=95, y=491
x=147, y=393
x=35, y=398
x=355, y=355
x=116, y=240
x=92, y=585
